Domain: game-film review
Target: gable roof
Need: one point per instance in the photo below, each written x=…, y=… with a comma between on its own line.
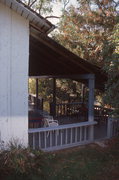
x=34, y=18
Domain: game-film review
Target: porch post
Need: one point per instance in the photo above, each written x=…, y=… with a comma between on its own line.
x=83, y=92
x=54, y=97
x=91, y=105
x=36, y=93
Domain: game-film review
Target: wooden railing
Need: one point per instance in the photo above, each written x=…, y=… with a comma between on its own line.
x=75, y=113
x=60, y=137
x=79, y=110
x=68, y=109
x=101, y=114
x=76, y=109
x=113, y=127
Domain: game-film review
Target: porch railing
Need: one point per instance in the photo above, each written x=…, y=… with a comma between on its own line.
x=113, y=127
x=79, y=110
x=60, y=137
x=101, y=113
x=68, y=109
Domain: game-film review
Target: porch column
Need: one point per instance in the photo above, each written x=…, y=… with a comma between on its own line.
x=36, y=93
x=91, y=104
x=54, y=97
x=83, y=92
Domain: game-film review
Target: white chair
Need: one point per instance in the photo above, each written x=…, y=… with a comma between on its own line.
x=50, y=122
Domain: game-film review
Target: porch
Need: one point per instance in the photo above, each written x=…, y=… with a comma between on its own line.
x=73, y=128
x=77, y=123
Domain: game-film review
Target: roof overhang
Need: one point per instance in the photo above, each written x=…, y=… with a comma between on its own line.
x=35, y=19
x=50, y=59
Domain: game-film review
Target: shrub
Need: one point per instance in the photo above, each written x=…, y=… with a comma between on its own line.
x=20, y=163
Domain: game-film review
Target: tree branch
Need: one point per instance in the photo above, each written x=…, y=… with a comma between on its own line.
x=40, y=6
x=52, y=17
x=29, y=2
x=65, y=2
x=32, y=3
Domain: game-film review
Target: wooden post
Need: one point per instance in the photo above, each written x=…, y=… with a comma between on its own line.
x=83, y=92
x=109, y=127
x=36, y=93
x=91, y=106
x=54, y=97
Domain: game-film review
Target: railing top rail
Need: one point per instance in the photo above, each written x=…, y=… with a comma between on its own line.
x=66, y=126
x=73, y=103
x=101, y=107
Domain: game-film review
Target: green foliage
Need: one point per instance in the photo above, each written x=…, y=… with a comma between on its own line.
x=18, y=163
x=42, y=7
x=63, y=89
x=91, y=30
x=85, y=28
x=112, y=68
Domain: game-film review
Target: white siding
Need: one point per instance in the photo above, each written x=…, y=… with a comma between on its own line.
x=14, y=52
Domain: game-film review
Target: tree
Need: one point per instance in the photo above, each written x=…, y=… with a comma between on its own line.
x=64, y=88
x=84, y=29
x=112, y=68
x=92, y=32
x=44, y=7
x=40, y=6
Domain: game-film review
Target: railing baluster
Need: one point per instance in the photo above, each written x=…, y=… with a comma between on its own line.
x=39, y=140
x=51, y=132
x=61, y=136
x=66, y=136
x=80, y=134
x=71, y=138
x=33, y=140
x=56, y=134
x=45, y=138
x=85, y=132
x=76, y=134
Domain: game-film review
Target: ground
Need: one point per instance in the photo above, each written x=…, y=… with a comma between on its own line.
x=91, y=162
x=97, y=161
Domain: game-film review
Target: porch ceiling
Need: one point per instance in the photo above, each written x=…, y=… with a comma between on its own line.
x=48, y=58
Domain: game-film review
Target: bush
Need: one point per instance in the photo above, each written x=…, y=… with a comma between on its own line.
x=20, y=163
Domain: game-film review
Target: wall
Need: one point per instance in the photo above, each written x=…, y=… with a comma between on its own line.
x=14, y=52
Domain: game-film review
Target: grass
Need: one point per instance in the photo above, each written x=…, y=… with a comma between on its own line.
x=90, y=162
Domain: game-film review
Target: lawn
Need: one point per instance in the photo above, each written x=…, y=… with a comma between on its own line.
x=90, y=162
x=87, y=163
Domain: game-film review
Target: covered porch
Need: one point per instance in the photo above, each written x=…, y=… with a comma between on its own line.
x=50, y=60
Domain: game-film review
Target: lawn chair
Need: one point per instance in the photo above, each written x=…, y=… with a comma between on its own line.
x=50, y=122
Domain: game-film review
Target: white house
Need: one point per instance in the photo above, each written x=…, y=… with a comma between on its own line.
x=14, y=55
x=26, y=50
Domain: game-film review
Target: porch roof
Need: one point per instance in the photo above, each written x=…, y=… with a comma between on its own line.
x=48, y=58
